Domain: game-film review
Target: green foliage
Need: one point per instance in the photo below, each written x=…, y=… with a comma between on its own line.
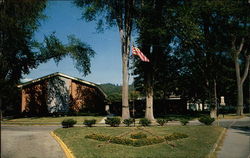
x=18, y=22
x=79, y=51
x=161, y=122
x=128, y=122
x=145, y=122
x=175, y=136
x=113, y=121
x=184, y=121
x=89, y=123
x=139, y=135
x=126, y=141
x=207, y=120
x=20, y=52
x=114, y=92
x=66, y=123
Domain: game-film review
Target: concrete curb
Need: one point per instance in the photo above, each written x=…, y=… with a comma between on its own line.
x=66, y=150
x=213, y=150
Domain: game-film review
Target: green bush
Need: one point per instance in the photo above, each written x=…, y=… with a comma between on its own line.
x=66, y=123
x=161, y=122
x=184, y=121
x=128, y=122
x=89, y=123
x=138, y=135
x=175, y=136
x=207, y=120
x=145, y=122
x=113, y=121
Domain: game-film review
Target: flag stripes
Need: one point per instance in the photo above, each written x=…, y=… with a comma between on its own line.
x=136, y=51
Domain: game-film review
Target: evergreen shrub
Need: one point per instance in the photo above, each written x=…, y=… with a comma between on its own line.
x=66, y=123
x=128, y=122
x=89, y=123
x=145, y=122
x=207, y=120
x=161, y=122
x=113, y=121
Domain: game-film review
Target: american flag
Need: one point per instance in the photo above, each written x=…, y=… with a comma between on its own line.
x=136, y=51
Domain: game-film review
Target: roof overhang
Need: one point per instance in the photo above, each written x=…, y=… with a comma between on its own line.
x=61, y=75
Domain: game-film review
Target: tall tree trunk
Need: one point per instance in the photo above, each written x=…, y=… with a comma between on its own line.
x=239, y=110
x=149, y=114
x=240, y=79
x=124, y=23
x=125, y=55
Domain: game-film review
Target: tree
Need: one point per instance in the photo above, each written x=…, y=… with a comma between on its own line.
x=155, y=39
x=208, y=27
x=239, y=24
x=20, y=52
x=18, y=23
x=120, y=13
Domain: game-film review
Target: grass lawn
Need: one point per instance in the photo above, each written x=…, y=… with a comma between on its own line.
x=45, y=120
x=198, y=144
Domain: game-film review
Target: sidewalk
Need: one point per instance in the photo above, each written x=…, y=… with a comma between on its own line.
x=237, y=140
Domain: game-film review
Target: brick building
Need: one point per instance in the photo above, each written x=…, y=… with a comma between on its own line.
x=60, y=93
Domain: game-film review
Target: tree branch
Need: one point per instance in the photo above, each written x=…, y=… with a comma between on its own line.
x=246, y=69
x=241, y=46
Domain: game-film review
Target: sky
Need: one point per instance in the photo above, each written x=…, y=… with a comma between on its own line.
x=65, y=19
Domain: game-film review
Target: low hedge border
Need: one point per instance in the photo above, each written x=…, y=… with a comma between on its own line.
x=136, y=142
x=175, y=136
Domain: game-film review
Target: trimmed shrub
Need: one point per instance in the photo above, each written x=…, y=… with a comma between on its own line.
x=128, y=122
x=113, y=121
x=184, y=121
x=89, y=123
x=66, y=123
x=126, y=141
x=161, y=122
x=175, y=136
x=145, y=122
x=138, y=135
x=99, y=137
x=207, y=120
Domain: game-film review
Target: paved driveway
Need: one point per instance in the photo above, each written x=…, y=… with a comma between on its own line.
x=29, y=142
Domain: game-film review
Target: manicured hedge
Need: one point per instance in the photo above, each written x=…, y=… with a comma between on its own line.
x=207, y=120
x=126, y=141
x=175, y=136
x=128, y=122
x=66, y=123
x=139, y=139
x=145, y=122
x=89, y=123
x=113, y=121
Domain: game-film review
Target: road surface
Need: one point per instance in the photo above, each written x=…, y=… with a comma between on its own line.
x=29, y=142
x=237, y=140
